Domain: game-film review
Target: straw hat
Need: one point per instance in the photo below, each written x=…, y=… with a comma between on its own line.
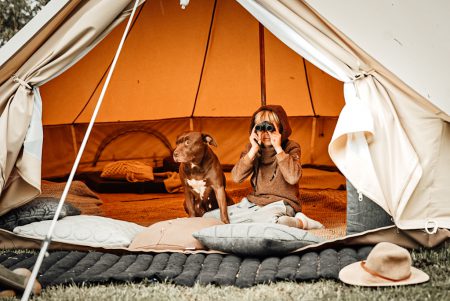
x=386, y=265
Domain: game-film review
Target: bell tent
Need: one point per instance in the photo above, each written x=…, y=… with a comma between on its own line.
x=359, y=95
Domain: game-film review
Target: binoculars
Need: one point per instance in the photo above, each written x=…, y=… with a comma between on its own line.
x=265, y=126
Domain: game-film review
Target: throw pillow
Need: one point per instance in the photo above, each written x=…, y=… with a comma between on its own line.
x=131, y=170
x=86, y=230
x=255, y=239
x=175, y=234
x=365, y=214
x=39, y=209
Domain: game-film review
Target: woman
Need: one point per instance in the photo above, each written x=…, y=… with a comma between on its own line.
x=273, y=162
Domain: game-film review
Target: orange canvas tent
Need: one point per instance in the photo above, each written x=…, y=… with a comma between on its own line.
x=179, y=70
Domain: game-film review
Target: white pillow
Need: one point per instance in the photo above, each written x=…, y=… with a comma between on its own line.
x=86, y=230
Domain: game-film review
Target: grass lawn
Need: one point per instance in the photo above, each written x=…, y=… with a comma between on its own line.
x=434, y=262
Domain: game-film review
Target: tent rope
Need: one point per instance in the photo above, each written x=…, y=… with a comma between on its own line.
x=48, y=238
x=309, y=88
x=204, y=57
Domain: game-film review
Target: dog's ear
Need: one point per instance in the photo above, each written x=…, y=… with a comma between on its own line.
x=208, y=139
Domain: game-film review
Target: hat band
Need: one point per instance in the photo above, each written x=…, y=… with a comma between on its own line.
x=373, y=273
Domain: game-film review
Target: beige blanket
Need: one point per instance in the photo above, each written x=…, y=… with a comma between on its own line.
x=79, y=195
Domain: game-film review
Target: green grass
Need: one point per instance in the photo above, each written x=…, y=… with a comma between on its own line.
x=434, y=262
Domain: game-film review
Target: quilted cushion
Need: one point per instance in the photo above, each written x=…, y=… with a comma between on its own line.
x=131, y=170
x=255, y=239
x=39, y=209
x=86, y=230
x=175, y=234
x=364, y=215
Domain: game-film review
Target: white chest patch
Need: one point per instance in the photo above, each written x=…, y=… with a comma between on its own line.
x=198, y=186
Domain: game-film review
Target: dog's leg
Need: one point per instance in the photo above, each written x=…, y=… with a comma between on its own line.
x=222, y=201
x=189, y=202
x=229, y=200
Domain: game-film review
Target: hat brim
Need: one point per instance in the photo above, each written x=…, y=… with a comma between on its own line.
x=354, y=274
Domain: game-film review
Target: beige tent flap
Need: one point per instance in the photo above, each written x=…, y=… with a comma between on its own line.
x=20, y=57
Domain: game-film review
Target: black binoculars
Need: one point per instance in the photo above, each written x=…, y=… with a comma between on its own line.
x=265, y=126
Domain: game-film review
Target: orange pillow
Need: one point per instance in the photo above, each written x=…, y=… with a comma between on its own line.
x=175, y=234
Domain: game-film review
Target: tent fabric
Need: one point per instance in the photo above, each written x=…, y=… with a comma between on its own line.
x=415, y=51
x=35, y=33
x=375, y=152
x=61, y=142
x=161, y=68
x=157, y=77
x=20, y=122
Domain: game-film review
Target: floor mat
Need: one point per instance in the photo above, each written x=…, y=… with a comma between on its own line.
x=65, y=267
x=328, y=206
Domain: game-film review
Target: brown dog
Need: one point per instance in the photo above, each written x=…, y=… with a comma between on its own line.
x=201, y=175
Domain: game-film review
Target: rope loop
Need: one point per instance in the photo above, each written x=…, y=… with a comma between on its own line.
x=21, y=82
x=362, y=74
x=431, y=226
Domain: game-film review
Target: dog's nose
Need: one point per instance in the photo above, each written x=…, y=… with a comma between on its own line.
x=175, y=154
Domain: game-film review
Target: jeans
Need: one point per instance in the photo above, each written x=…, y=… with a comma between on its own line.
x=248, y=212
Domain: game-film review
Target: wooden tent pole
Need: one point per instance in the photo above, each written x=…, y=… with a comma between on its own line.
x=262, y=64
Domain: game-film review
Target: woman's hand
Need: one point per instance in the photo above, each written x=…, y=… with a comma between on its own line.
x=275, y=139
x=255, y=141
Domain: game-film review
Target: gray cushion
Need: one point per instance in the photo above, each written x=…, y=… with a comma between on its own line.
x=39, y=209
x=365, y=214
x=255, y=239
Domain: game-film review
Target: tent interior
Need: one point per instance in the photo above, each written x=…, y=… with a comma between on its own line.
x=206, y=69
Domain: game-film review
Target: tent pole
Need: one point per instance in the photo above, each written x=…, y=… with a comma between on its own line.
x=48, y=238
x=74, y=138
x=262, y=64
x=313, y=139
